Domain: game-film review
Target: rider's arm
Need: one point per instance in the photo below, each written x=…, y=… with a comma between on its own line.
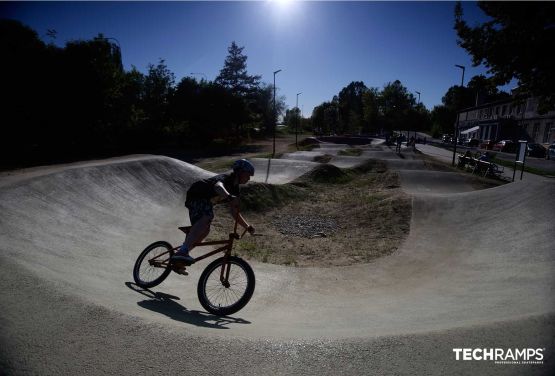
x=221, y=191
x=234, y=208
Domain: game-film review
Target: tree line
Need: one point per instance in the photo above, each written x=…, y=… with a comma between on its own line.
x=78, y=101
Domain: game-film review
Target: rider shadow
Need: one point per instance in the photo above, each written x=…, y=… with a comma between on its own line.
x=166, y=305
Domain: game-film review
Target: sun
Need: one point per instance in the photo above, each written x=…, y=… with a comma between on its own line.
x=282, y=4
x=283, y=7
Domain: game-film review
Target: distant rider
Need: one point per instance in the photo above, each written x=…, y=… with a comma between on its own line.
x=201, y=197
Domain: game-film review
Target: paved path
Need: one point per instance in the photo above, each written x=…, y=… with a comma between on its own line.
x=447, y=157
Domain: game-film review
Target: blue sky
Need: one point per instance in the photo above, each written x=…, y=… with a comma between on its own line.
x=320, y=46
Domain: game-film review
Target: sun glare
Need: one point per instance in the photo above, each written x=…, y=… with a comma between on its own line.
x=283, y=7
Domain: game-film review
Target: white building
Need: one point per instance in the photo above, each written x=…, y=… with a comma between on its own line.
x=508, y=119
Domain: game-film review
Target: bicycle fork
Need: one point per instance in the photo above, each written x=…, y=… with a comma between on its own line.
x=226, y=265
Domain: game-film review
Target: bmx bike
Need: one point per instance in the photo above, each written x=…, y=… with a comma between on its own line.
x=225, y=286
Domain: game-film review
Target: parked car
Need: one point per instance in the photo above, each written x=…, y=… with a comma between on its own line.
x=471, y=142
x=447, y=138
x=551, y=152
x=506, y=146
x=487, y=144
x=535, y=150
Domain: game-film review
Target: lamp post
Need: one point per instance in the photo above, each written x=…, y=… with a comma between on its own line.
x=297, y=122
x=458, y=116
x=275, y=114
x=417, y=104
x=117, y=42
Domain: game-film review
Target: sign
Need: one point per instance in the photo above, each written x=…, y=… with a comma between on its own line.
x=521, y=151
x=520, y=158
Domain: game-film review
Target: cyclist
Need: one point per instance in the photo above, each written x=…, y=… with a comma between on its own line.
x=201, y=197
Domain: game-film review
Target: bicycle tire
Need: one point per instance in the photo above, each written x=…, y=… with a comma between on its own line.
x=219, y=299
x=142, y=271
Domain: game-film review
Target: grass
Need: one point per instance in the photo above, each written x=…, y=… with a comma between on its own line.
x=372, y=213
x=532, y=170
x=217, y=165
x=352, y=152
x=260, y=197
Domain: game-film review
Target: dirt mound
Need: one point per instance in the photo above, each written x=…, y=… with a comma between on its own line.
x=327, y=173
x=261, y=196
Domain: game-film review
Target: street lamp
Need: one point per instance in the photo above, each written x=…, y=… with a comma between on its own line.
x=458, y=116
x=417, y=104
x=297, y=122
x=275, y=114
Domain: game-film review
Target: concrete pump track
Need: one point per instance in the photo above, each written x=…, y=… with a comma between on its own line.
x=477, y=270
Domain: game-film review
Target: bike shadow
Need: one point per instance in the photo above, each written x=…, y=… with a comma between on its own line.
x=166, y=304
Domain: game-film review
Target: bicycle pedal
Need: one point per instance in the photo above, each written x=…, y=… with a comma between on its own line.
x=181, y=271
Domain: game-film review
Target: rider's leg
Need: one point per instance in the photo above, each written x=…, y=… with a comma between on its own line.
x=201, y=215
x=198, y=232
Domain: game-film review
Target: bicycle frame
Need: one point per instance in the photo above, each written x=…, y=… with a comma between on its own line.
x=227, y=246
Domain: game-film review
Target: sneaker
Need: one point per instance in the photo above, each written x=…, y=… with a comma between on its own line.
x=182, y=258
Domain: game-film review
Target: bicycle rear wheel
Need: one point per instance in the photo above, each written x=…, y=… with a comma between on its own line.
x=152, y=266
x=230, y=295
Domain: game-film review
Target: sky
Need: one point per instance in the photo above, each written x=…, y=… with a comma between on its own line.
x=320, y=46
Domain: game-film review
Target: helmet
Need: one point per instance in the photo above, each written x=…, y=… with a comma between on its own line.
x=243, y=165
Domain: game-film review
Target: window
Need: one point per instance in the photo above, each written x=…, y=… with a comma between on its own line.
x=504, y=110
x=497, y=110
x=547, y=132
x=535, y=131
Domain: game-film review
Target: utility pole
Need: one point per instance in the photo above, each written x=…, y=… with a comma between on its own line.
x=275, y=114
x=458, y=116
x=297, y=122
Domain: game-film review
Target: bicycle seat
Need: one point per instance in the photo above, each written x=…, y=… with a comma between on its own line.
x=185, y=229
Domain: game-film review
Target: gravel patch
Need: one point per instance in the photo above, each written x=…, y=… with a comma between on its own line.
x=306, y=226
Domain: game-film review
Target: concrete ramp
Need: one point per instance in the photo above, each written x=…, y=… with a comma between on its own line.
x=280, y=171
x=405, y=164
x=474, y=263
x=418, y=182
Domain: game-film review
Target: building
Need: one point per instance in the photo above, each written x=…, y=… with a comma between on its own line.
x=508, y=120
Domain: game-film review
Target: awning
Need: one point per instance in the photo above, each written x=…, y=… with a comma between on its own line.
x=473, y=129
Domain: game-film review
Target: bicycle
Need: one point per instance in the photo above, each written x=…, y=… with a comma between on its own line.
x=225, y=286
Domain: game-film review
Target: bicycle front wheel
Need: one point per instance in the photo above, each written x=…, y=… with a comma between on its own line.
x=153, y=266
x=227, y=295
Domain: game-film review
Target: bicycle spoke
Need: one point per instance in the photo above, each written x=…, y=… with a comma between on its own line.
x=220, y=296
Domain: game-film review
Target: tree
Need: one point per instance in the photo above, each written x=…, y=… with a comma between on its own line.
x=395, y=103
x=484, y=90
x=325, y=118
x=516, y=43
x=234, y=76
x=292, y=118
x=262, y=108
x=158, y=89
x=371, y=110
x=350, y=106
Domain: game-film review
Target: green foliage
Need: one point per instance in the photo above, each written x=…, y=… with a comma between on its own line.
x=77, y=102
x=516, y=42
x=260, y=196
x=361, y=110
x=234, y=76
x=353, y=152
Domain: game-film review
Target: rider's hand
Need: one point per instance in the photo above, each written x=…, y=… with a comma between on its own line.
x=250, y=229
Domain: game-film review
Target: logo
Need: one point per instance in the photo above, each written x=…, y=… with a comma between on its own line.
x=501, y=356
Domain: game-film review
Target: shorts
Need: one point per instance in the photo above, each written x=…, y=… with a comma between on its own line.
x=198, y=208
